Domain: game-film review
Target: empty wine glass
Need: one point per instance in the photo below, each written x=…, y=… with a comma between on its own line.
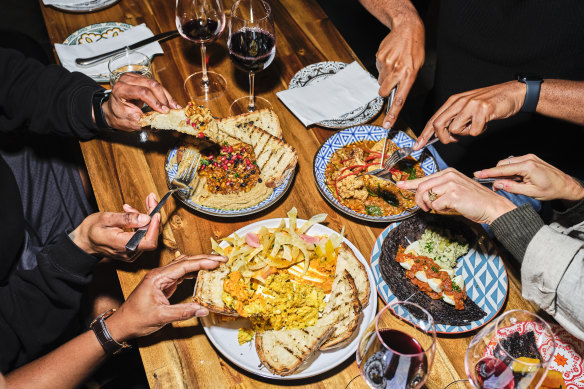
x=202, y=22
x=252, y=47
x=514, y=351
x=397, y=348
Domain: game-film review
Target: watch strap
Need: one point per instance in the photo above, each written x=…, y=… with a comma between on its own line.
x=109, y=344
x=533, y=87
x=99, y=98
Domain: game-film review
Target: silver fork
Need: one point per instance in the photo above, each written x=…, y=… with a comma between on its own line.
x=180, y=182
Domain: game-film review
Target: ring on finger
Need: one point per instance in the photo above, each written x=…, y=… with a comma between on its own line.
x=432, y=196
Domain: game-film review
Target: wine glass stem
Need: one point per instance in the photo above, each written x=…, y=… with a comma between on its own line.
x=251, y=107
x=205, y=80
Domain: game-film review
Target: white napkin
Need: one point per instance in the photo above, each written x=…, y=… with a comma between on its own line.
x=68, y=54
x=332, y=97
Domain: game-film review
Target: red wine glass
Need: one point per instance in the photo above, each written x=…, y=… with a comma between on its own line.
x=514, y=351
x=252, y=47
x=397, y=348
x=202, y=22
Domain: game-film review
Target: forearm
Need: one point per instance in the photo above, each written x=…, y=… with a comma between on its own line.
x=516, y=229
x=393, y=13
x=562, y=99
x=66, y=367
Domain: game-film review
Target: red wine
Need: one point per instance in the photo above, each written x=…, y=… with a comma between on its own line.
x=494, y=373
x=201, y=30
x=252, y=49
x=403, y=365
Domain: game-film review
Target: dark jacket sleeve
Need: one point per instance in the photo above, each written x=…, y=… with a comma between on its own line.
x=38, y=304
x=44, y=99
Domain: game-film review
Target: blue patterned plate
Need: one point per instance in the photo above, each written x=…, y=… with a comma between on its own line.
x=171, y=168
x=483, y=272
x=94, y=33
x=85, y=6
x=360, y=133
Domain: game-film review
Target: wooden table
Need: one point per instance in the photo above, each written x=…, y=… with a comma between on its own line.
x=125, y=171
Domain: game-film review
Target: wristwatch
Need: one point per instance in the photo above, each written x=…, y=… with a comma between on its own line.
x=98, y=99
x=533, y=84
x=109, y=344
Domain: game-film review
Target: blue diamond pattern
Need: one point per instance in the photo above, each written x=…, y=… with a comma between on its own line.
x=484, y=276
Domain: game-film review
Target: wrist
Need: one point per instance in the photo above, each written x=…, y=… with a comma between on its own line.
x=574, y=190
x=101, y=109
x=499, y=208
x=117, y=328
x=77, y=238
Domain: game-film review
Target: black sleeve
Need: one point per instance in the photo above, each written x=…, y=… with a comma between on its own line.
x=45, y=99
x=39, y=307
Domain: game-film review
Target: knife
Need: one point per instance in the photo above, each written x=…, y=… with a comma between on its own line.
x=84, y=62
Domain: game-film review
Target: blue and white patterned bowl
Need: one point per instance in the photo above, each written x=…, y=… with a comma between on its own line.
x=360, y=133
x=483, y=272
x=171, y=168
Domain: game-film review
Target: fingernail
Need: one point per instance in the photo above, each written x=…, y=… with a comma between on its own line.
x=498, y=185
x=143, y=219
x=386, y=125
x=400, y=183
x=478, y=173
x=202, y=312
x=164, y=109
x=178, y=106
x=416, y=144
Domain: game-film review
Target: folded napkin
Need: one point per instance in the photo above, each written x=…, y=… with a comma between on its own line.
x=332, y=97
x=68, y=54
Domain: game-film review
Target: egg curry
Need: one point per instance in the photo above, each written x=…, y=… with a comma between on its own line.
x=279, y=278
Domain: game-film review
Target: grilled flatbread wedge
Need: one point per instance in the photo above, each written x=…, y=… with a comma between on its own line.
x=343, y=309
x=209, y=290
x=265, y=119
x=346, y=260
x=283, y=352
x=276, y=159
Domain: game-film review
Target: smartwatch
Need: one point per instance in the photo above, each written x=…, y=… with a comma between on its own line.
x=533, y=84
x=97, y=101
x=109, y=344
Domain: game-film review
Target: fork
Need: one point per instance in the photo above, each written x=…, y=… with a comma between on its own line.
x=180, y=182
x=394, y=158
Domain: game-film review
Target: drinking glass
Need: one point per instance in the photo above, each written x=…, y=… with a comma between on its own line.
x=131, y=62
x=514, y=351
x=202, y=22
x=252, y=47
x=397, y=348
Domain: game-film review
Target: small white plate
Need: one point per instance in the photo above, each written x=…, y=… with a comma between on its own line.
x=319, y=71
x=224, y=335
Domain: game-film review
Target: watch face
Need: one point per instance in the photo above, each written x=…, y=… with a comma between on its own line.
x=528, y=77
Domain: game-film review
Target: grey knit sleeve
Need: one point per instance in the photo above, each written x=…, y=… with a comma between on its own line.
x=515, y=229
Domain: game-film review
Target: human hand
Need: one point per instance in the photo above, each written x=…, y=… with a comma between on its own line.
x=398, y=59
x=468, y=113
x=541, y=180
x=147, y=309
x=453, y=191
x=124, y=107
x=102, y=233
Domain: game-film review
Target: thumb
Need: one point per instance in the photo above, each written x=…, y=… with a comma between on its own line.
x=128, y=220
x=185, y=311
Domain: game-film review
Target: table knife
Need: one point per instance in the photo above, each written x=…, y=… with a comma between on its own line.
x=84, y=62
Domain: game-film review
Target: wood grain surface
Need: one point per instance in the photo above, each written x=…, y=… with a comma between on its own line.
x=122, y=170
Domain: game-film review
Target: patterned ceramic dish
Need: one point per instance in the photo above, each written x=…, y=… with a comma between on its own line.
x=567, y=358
x=482, y=269
x=94, y=33
x=321, y=70
x=86, y=6
x=359, y=133
x=223, y=335
x=171, y=168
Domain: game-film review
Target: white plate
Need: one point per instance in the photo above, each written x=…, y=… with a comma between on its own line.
x=319, y=71
x=224, y=335
x=86, y=6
